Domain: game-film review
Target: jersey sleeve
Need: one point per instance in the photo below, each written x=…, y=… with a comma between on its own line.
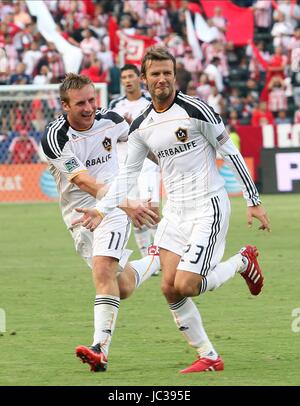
x=126, y=180
x=219, y=138
x=123, y=129
x=58, y=153
x=236, y=162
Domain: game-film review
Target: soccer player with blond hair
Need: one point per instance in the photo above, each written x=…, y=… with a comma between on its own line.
x=80, y=147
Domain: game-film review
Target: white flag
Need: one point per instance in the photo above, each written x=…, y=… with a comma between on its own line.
x=204, y=32
x=72, y=56
x=191, y=36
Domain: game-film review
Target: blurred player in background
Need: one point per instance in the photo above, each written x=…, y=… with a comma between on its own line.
x=185, y=134
x=23, y=149
x=130, y=107
x=80, y=147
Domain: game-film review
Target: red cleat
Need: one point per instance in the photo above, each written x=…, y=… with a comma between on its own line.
x=253, y=274
x=153, y=250
x=204, y=365
x=93, y=356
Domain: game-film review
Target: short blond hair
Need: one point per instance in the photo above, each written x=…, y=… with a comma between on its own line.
x=73, y=81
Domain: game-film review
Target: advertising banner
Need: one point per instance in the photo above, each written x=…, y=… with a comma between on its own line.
x=281, y=170
x=26, y=183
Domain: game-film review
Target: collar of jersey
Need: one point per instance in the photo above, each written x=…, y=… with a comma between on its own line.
x=75, y=129
x=163, y=111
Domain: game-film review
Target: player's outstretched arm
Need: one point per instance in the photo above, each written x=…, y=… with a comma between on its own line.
x=136, y=210
x=261, y=215
x=89, y=184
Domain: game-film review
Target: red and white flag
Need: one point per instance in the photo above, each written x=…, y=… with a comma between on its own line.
x=133, y=47
x=240, y=21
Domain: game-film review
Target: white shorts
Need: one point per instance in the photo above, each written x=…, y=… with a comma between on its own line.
x=109, y=239
x=198, y=237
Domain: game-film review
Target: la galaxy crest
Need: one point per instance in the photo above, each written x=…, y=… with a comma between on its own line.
x=182, y=134
x=107, y=144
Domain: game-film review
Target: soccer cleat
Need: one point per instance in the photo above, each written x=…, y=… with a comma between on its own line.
x=153, y=250
x=92, y=356
x=203, y=364
x=253, y=274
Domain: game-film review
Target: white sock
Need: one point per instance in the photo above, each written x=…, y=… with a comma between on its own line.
x=222, y=272
x=143, y=239
x=188, y=319
x=144, y=268
x=105, y=316
x=245, y=264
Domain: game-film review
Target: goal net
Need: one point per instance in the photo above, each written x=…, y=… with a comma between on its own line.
x=25, y=110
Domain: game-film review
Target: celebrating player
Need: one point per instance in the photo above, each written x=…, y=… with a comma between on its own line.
x=81, y=149
x=185, y=134
x=130, y=107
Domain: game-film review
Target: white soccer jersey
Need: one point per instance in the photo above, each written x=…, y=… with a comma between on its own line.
x=185, y=139
x=70, y=152
x=132, y=108
x=123, y=106
x=148, y=184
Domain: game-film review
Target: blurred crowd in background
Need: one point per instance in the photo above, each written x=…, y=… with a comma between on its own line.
x=254, y=84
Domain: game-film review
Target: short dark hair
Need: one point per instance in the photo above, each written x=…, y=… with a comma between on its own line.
x=215, y=59
x=73, y=81
x=130, y=66
x=157, y=53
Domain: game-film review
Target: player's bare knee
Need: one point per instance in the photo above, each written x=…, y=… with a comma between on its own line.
x=188, y=284
x=126, y=282
x=125, y=290
x=100, y=262
x=168, y=290
x=104, y=268
x=185, y=289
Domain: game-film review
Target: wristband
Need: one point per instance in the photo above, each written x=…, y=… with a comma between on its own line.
x=100, y=214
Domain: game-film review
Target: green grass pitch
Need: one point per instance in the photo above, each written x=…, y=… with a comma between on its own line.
x=47, y=294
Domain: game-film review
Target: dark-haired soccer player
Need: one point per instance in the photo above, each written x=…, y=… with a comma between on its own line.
x=185, y=134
